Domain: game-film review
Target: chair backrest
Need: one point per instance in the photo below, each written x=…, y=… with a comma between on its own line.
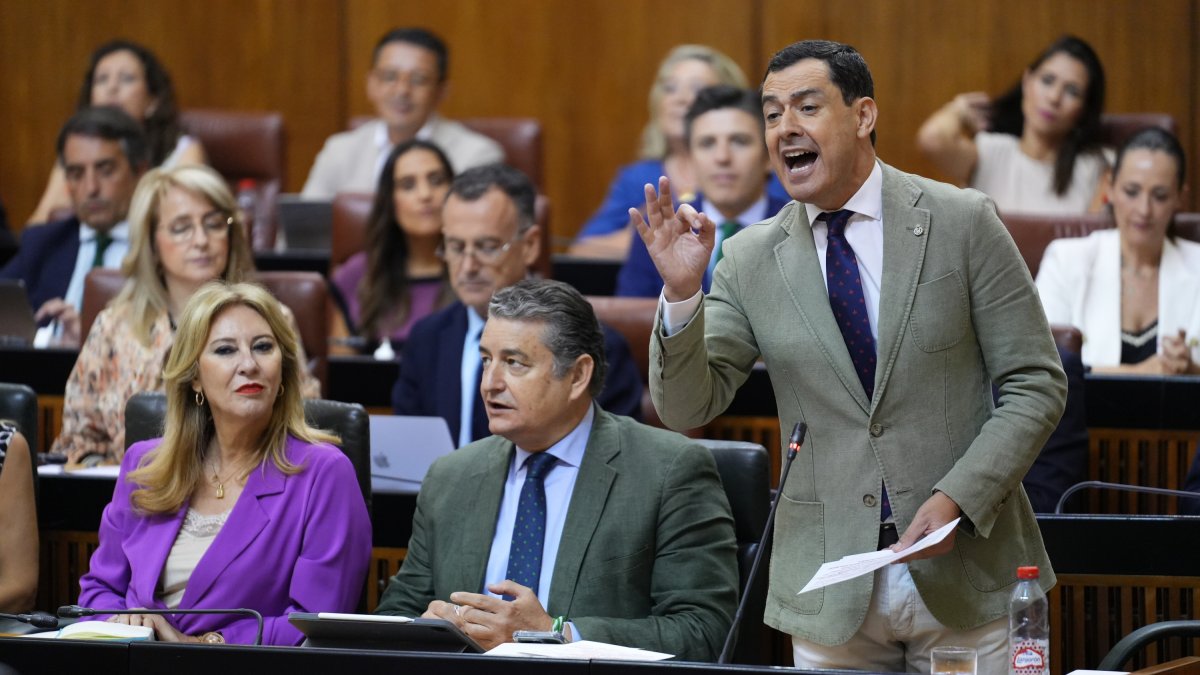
x=18, y=404
x=1033, y=234
x=350, y=213
x=307, y=295
x=745, y=474
x=100, y=286
x=1068, y=337
x=521, y=138
x=246, y=145
x=1116, y=128
x=1187, y=226
x=352, y=209
x=633, y=318
x=145, y=412
x=1133, y=643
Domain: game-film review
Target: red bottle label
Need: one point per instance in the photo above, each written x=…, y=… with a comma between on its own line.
x=1029, y=657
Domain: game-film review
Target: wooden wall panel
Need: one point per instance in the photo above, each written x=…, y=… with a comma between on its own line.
x=924, y=52
x=583, y=67
x=260, y=55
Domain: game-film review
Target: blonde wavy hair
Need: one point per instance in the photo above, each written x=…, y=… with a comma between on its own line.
x=170, y=473
x=654, y=142
x=145, y=290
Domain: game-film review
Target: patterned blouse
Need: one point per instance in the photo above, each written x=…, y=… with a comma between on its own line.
x=7, y=431
x=112, y=366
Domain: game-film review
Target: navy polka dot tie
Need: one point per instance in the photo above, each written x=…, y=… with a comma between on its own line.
x=529, y=531
x=850, y=308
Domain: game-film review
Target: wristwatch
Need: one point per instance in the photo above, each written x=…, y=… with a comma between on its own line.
x=212, y=637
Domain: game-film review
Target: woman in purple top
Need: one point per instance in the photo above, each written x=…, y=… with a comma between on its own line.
x=240, y=503
x=399, y=279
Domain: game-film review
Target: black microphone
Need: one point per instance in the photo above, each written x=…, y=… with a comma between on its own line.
x=1122, y=487
x=75, y=611
x=35, y=619
x=794, y=444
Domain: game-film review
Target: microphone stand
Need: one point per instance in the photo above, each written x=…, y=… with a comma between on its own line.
x=35, y=619
x=75, y=611
x=1122, y=487
x=794, y=445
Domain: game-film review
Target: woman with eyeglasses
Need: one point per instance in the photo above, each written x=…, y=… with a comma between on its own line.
x=183, y=233
x=398, y=279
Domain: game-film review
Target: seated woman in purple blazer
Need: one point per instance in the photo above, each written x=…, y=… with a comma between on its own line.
x=398, y=279
x=240, y=503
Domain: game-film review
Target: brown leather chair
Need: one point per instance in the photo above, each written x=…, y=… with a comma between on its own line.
x=352, y=209
x=1116, y=128
x=99, y=287
x=1187, y=226
x=305, y=293
x=633, y=318
x=1067, y=337
x=350, y=213
x=521, y=138
x=1033, y=234
x=243, y=145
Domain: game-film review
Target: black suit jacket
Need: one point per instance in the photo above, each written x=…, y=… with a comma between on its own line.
x=1063, y=460
x=431, y=363
x=46, y=260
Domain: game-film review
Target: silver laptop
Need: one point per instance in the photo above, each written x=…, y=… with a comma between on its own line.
x=307, y=223
x=17, y=327
x=402, y=450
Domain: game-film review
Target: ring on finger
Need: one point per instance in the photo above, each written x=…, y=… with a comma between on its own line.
x=458, y=610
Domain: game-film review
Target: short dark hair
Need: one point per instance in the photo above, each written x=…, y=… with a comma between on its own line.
x=162, y=125
x=848, y=70
x=111, y=124
x=419, y=37
x=472, y=184
x=571, y=327
x=1156, y=139
x=719, y=97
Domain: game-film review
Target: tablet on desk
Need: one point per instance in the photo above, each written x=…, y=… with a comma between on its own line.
x=392, y=633
x=17, y=326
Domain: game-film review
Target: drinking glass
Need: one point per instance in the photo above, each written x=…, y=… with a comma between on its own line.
x=952, y=661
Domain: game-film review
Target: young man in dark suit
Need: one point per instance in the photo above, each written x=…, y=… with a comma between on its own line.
x=724, y=132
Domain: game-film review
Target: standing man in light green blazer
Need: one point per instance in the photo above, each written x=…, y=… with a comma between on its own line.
x=903, y=436
x=638, y=546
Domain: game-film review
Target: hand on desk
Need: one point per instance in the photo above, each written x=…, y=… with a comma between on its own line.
x=933, y=514
x=57, y=309
x=163, y=629
x=491, y=621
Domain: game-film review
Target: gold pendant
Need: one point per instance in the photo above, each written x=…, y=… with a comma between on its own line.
x=220, y=491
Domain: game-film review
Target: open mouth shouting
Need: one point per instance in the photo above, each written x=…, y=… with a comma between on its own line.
x=798, y=162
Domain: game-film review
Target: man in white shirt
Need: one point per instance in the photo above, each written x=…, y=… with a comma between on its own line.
x=406, y=84
x=103, y=154
x=568, y=518
x=885, y=306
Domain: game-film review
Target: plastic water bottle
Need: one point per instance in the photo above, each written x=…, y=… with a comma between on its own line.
x=1028, y=626
x=247, y=201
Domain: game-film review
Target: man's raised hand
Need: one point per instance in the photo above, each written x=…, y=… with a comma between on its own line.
x=680, y=242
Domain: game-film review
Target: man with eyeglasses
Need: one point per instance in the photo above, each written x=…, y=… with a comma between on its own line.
x=406, y=84
x=489, y=241
x=103, y=153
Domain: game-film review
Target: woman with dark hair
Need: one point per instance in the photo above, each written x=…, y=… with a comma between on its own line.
x=399, y=279
x=1035, y=149
x=1134, y=291
x=128, y=76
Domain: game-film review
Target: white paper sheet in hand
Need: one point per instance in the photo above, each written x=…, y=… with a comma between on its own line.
x=859, y=564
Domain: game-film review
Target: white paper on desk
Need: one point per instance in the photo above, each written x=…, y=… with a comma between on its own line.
x=583, y=650
x=859, y=564
x=104, y=471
